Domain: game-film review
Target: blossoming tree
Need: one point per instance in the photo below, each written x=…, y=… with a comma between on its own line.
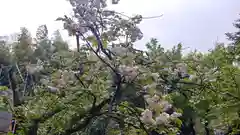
x=107, y=86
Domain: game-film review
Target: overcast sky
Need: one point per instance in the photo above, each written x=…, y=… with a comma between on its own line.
x=195, y=23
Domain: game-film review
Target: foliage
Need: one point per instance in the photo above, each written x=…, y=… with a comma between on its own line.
x=108, y=87
x=235, y=37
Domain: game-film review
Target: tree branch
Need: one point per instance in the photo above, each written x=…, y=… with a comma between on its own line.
x=93, y=112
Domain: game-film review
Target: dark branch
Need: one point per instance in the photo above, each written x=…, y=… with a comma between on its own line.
x=87, y=117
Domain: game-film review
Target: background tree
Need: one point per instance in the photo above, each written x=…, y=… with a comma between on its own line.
x=109, y=87
x=235, y=37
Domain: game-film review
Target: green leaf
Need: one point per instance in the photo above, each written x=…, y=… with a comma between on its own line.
x=3, y=88
x=93, y=41
x=105, y=43
x=203, y=104
x=3, y=107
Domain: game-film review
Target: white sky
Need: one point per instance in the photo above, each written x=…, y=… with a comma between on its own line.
x=195, y=23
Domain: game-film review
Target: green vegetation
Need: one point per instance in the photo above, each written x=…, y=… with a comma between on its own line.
x=107, y=87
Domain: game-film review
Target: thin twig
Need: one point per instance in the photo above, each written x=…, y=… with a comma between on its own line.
x=89, y=45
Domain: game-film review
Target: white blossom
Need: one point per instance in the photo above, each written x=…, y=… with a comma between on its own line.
x=44, y=81
x=156, y=98
x=107, y=13
x=119, y=51
x=155, y=76
x=145, y=88
x=92, y=57
x=191, y=77
x=176, y=115
x=82, y=1
x=150, y=86
x=97, y=4
x=52, y=89
x=181, y=67
x=165, y=105
x=147, y=117
x=68, y=76
x=82, y=29
x=153, y=102
x=128, y=72
x=33, y=68
x=61, y=83
x=147, y=96
x=163, y=118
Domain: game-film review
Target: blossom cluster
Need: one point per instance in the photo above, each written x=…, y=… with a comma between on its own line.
x=128, y=72
x=60, y=79
x=157, y=111
x=34, y=68
x=93, y=13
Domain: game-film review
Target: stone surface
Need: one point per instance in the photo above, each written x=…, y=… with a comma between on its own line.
x=5, y=120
